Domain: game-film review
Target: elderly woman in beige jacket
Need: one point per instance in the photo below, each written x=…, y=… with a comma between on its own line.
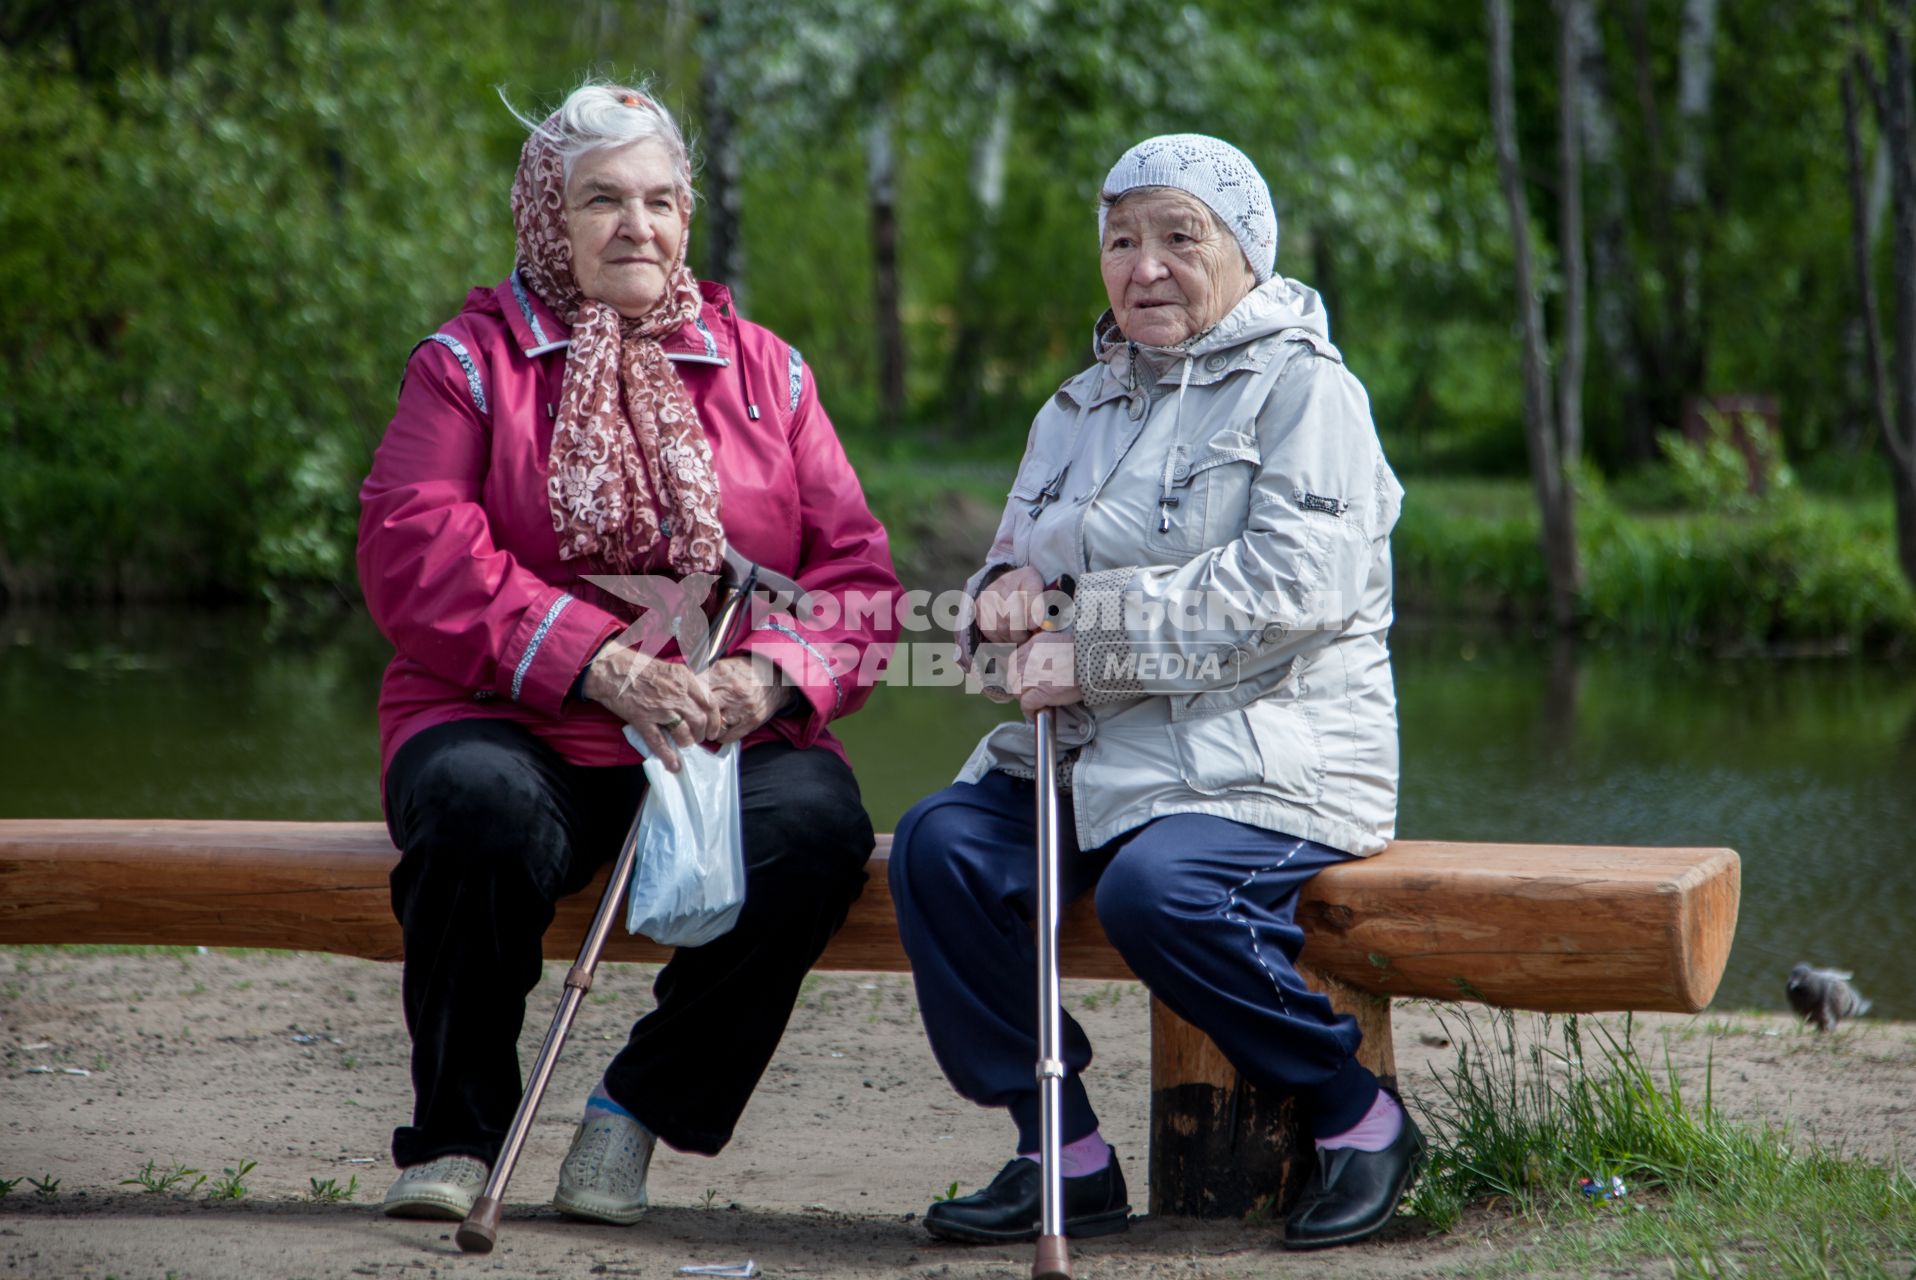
x=1208, y=510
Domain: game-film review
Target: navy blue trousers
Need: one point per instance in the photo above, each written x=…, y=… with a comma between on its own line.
x=1199, y=907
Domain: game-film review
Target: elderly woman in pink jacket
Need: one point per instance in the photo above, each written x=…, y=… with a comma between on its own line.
x=600, y=412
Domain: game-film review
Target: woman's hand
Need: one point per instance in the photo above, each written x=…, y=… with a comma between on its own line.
x=745, y=694
x=1044, y=672
x=669, y=705
x=1011, y=606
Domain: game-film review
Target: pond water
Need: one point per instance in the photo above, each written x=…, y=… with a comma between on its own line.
x=1808, y=769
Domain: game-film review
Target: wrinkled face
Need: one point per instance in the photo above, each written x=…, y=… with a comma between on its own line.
x=625, y=220
x=1170, y=268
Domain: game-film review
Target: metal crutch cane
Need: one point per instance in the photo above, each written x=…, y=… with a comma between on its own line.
x=481, y=1228
x=1053, y=1259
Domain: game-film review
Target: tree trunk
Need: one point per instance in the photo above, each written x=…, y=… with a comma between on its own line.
x=1903, y=479
x=724, y=244
x=881, y=174
x=1696, y=74
x=1868, y=316
x=335, y=154
x=1554, y=499
x=77, y=45
x=1223, y=1146
x=1614, y=271
x=1572, y=20
x=1897, y=114
x=1658, y=406
x=963, y=380
x=592, y=25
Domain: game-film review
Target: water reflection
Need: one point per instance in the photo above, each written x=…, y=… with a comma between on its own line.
x=1804, y=768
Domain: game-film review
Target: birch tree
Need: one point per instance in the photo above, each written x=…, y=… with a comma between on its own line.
x=966, y=374
x=1613, y=265
x=1888, y=85
x=881, y=194
x=1543, y=441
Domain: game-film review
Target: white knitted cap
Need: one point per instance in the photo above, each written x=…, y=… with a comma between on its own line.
x=1215, y=172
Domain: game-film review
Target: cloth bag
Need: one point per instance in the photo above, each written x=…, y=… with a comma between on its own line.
x=688, y=885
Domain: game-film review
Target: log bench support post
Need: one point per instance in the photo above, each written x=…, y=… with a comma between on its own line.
x=1223, y=1147
x=1555, y=928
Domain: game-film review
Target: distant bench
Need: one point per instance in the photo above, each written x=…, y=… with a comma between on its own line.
x=1557, y=928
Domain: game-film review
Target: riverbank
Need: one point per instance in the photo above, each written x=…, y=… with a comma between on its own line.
x=1806, y=574
x=298, y=1063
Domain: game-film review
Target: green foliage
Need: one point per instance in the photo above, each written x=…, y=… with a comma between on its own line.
x=1525, y=1114
x=328, y=1191
x=46, y=1187
x=225, y=224
x=1525, y=1119
x=1797, y=571
x=1467, y=547
x=223, y=264
x=1737, y=468
x=231, y=1184
x=155, y=1180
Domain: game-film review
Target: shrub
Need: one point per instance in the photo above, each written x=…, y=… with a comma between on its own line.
x=1790, y=572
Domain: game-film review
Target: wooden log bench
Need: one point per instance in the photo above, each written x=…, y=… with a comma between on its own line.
x=1556, y=928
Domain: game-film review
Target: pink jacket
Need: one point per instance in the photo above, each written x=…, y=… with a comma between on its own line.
x=460, y=564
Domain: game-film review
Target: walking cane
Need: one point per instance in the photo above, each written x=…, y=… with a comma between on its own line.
x=481, y=1228
x=1053, y=1260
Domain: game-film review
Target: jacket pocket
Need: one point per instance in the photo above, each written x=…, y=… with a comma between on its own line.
x=1024, y=497
x=1216, y=754
x=1210, y=492
x=1288, y=748
x=1267, y=748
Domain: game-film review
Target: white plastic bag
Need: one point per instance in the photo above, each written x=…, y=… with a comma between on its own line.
x=689, y=883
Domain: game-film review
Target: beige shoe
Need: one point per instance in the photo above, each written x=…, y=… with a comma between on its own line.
x=442, y=1189
x=603, y=1177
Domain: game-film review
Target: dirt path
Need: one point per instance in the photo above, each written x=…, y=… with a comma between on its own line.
x=298, y=1062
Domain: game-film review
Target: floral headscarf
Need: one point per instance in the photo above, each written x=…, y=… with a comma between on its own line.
x=629, y=464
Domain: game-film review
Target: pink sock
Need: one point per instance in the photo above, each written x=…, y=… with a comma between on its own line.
x=1087, y=1155
x=1377, y=1130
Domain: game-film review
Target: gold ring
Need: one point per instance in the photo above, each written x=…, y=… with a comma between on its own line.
x=673, y=723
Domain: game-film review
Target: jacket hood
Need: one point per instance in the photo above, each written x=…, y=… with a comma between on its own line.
x=1272, y=307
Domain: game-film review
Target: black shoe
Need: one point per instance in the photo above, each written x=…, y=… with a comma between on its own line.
x=1352, y=1194
x=1011, y=1208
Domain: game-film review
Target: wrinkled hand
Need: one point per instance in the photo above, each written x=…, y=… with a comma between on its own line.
x=1011, y=606
x=650, y=693
x=745, y=694
x=1044, y=672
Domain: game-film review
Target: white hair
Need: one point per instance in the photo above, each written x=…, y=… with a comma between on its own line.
x=599, y=115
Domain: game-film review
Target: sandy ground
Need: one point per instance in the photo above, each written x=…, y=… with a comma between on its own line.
x=298, y=1062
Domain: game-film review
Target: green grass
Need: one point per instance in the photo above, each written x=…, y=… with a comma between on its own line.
x=936, y=508
x=1811, y=567
x=158, y=1181
x=1804, y=570
x=1524, y=1116
x=330, y=1192
x=232, y=1181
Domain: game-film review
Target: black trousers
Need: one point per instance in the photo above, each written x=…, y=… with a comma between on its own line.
x=494, y=827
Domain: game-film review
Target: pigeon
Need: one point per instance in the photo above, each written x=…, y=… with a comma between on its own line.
x=1824, y=997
